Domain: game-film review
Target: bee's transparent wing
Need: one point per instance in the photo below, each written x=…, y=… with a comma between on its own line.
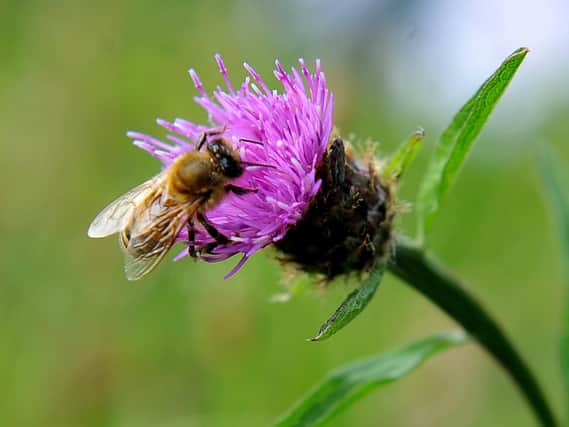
x=112, y=218
x=157, y=242
x=137, y=267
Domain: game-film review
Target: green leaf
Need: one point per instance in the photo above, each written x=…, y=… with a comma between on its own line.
x=353, y=305
x=345, y=385
x=556, y=185
x=404, y=156
x=457, y=140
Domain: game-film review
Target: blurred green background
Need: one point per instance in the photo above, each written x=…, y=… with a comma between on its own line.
x=80, y=346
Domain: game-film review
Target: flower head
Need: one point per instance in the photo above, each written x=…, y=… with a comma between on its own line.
x=293, y=128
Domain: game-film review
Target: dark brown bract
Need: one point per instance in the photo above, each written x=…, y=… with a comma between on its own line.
x=348, y=224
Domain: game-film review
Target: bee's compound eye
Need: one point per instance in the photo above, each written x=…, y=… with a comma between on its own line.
x=231, y=167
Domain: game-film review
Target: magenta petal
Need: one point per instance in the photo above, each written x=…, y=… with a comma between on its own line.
x=293, y=126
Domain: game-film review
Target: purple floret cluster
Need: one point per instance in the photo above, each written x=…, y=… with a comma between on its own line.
x=293, y=127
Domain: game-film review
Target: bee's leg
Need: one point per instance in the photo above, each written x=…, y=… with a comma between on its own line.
x=208, y=249
x=192, y=239
x=201, y=141
x=239, y=190
x=192, y=242
x=219, y=238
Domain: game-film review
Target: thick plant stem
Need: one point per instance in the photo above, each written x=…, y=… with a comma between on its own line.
x=420, y=271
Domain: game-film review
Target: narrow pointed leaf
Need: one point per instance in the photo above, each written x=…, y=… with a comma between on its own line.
x=344, y=386
x=457, y=140
x=556, y=185
x=404, y=156
x=353, y=305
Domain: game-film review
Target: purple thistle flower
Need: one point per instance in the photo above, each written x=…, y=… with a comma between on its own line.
x=294, y=128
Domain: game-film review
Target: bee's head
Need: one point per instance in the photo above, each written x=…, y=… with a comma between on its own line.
x=226, y=158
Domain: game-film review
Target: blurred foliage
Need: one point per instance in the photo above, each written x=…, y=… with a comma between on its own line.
x=82, y=347
x=556, y=185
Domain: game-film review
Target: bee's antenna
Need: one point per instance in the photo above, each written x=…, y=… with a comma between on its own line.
x=251, y=141
x=257, y=164
x=206, y=134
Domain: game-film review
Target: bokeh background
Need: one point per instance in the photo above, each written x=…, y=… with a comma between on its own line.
x=80, y=346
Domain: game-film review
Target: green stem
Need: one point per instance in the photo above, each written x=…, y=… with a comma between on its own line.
x=420, y=271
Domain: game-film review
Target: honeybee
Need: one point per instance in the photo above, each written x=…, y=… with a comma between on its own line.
x=150, y=216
